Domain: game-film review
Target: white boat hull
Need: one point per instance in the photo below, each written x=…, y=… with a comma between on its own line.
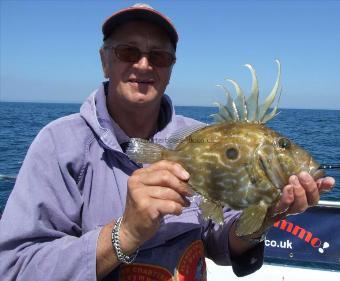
x=271, y=273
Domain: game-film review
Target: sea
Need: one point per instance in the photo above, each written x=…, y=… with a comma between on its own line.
x=318, y=131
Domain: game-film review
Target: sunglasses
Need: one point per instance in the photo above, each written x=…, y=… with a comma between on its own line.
x=128, y=53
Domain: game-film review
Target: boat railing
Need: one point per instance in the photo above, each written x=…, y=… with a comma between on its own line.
x=328, y=204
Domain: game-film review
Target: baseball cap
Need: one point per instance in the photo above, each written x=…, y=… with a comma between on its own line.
x=140, y=11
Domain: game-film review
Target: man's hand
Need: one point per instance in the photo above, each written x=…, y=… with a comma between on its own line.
x=153, y=192
x=301, y=192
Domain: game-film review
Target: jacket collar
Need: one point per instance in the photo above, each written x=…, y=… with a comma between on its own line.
x=95, y=113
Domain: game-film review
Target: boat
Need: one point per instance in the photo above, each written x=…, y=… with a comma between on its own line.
x=269, y=272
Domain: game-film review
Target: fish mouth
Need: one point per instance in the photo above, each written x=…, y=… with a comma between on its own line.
x=318, y=173
x=315, y=169
x=273, y=171
x=277, y=172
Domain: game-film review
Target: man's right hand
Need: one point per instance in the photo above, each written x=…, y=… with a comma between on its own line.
x=153, y=192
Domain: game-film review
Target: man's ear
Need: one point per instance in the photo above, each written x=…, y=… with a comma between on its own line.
x=105, y=65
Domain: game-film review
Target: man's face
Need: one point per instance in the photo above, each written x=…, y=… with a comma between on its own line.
x=140, y=82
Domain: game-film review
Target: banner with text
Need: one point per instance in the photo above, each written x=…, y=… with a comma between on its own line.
x=313, y=236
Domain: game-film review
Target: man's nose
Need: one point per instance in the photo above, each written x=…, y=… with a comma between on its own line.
x=143, y=62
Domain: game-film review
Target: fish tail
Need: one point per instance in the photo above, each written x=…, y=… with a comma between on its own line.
x=144, y=151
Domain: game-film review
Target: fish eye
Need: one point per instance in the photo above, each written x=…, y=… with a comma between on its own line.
x=284, y=143
x=231, y=153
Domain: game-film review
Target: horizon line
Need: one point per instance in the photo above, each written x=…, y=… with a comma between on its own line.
x=181, y=105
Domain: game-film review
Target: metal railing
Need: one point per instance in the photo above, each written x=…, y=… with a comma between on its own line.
x=328, y=204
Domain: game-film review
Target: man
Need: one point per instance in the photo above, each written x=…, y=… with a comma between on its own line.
x=82, y=210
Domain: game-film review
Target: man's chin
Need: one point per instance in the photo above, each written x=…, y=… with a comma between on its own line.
x=141, y=98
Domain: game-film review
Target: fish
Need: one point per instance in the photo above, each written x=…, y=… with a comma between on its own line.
x=237, y=161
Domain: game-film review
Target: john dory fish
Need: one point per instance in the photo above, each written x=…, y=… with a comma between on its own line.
x=236, y=162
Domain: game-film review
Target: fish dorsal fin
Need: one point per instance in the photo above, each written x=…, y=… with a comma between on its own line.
x=240, y=100
x=274, y=112
x=226, y=112
x=248, y=110
x=178, y=136
x=253, y=100
x=271, y=97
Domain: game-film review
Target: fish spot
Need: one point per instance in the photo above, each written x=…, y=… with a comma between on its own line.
x=232, y=153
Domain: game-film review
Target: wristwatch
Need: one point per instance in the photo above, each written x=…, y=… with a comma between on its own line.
x=122, y=257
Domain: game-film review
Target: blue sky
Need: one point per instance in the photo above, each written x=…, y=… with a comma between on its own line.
x=49, y=49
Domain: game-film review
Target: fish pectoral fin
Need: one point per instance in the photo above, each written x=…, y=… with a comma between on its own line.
x=251, y=219
x=212, y=211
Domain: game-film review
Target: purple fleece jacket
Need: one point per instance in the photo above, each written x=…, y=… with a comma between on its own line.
x=73, y=181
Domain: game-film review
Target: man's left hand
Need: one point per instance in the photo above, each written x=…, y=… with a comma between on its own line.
x=301, y=192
